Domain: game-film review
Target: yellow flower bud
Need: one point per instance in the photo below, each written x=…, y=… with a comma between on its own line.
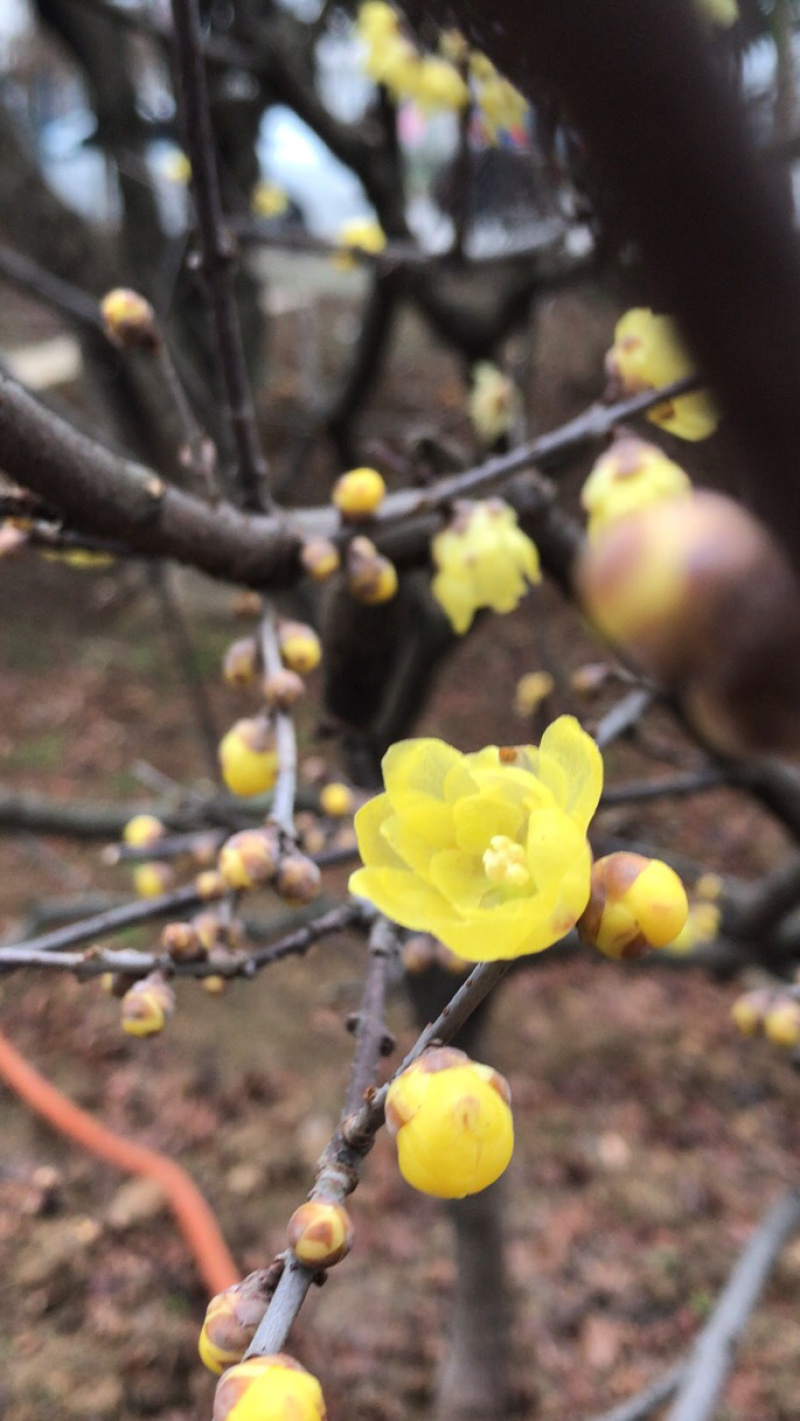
x=143, y=830
x=492, y=402
x=320, y=558
x=283, y=689
x=249, y=858
x=210, y=884
x=150, y=880
x=748, y=1011
x=272, y=1388
x=241, y=664
x=630, y=475
x=215, y=985
x=320, y=1232
x=231, y=1321
x=359, y=494
x=359, y=234
x=129, y=320
x=371, y=578
x=782, y=1023
x=299, y=880
x=336, y=799
x=647, y=353
x=268, y=200
x=248, y=759
x=182, y=942
x=451, y=1116
x=635, y=904
x=300, y=647
x=147, y=1006
x=531, y=690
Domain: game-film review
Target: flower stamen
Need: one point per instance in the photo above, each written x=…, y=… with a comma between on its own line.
x=505, y=863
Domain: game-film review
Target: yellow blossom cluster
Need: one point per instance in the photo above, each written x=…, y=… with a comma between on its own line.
x=483, y=559
x=502, y=107
x=487, y=851
x=393, y=60
x=648, y=352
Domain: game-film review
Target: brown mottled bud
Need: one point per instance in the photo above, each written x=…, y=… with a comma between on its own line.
x=240, y=666
x=249, y=858
x=247, y=604
x=285, y=1391
x=300, y=647
x=748, y=1011
x=636, y=903
x=210, y=885
x=320, y=558
x=210, y=927
x=182, y=942
x=204, y=849
x=298, y=879
x=147, y=1006
x=697, y=591
x=129, y=320
x=320, y=1233
x=231, y=1321
x=283, y=689
x=782, y=1023
x=371, y=578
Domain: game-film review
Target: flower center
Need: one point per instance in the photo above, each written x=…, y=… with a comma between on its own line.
x=505, y=863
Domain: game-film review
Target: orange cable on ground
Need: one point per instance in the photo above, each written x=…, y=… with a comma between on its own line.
x=193, y=1215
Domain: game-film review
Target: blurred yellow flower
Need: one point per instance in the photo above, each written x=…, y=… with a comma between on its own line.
x=702, y=925
x=486, y=851
x=483, y=560
x=177, y=168
x=502, y=106
x=719, y=12
x=531, y=689
x=630, y=475
x=648, y=352
x=359, y=234
x=492, y=401
x=268, y=200
x=454, y=1129
x=439, y=85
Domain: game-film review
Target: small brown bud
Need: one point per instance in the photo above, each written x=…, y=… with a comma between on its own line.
x=210, y=885
x=247, y=604
x=249, y=858
x=298, y=879
x=371, y=578
x=283, y=688
x=320, y=558
x=320, y=1232
x=241, y=662
x=182, y=942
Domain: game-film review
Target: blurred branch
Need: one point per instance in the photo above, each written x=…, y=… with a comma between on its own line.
x=217, y=251
x=677, y=786
x=283, y=795
x=128, y=915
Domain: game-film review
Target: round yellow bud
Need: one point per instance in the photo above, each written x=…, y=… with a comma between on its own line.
x=150, y=880
x=451, y=1116
x=143, y=830
x=320, y=558
x=748, y=1011
x=241, y=663
x=635, y=904
x=359, y=494
x=782, y=1023
x=336, y=799
x=215, y=985
x=320, y=1233
x=531, y=690
x=371, y=578
x=249, y=858
x=231, y=1320
x=300, y=647
x=272, y=1388
x=181, y=941
x=299, y=879
x=129, y=320
x=147, y=1006
x=210, y=884
x=248, y=759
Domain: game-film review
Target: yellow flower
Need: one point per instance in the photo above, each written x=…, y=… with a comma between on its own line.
x=501, y=105
x=492, y=401
x=247, y=758
x=630, y=475
x=360, y=234
x=451, y=1116
x=486, y=851
x=143, y=830
x=336, y=799
x=702, y=925
x=268, y=200
x=532, y=688
x=272, y=1388
x=484, y=560
x=647, y=352
x=376, y=19
x=439, y=85
x=719, y=12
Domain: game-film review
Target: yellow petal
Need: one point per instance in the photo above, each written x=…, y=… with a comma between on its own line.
x=372, y=844
x=418, y=765
x=459, y=878
x=401, y=895
x=568, y=754
x=478, y=817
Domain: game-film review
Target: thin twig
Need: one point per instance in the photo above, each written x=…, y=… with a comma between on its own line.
x=284, y=793
x=678, y=785
x=217, y=249
x=623, y=716
x=713, y=1353
x=128, y=915
x=659, y=1391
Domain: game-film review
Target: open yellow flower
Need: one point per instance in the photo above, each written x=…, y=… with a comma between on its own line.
x=486, y=851
x=484, y=560
x=648, y=352
x=630, y=475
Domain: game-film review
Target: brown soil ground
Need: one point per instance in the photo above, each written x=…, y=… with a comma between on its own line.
x=650, y=1138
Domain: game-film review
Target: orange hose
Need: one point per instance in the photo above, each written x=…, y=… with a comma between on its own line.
x=193, y=1215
